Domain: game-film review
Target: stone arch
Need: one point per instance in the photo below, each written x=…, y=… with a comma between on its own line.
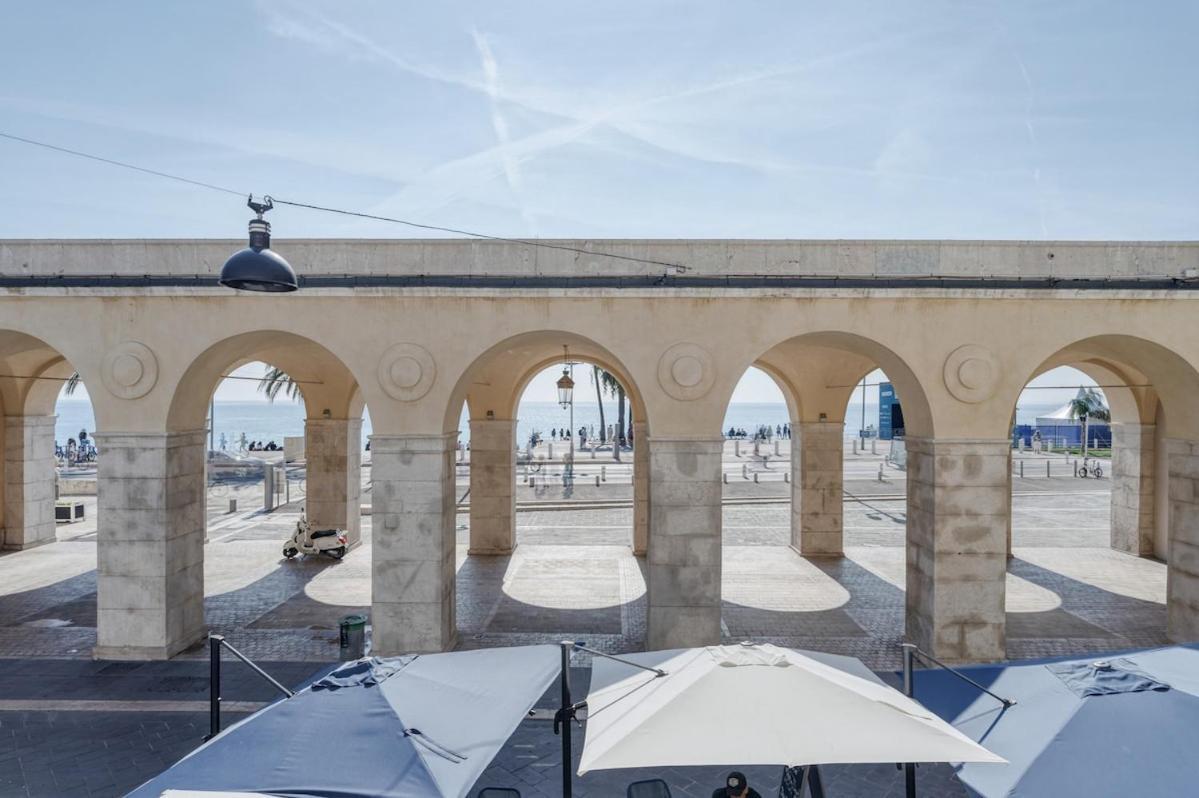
x=1155, y=458
x=32, y=374
x=498, y=377
x=326, y=383
x=492, y=387
x=821, y=368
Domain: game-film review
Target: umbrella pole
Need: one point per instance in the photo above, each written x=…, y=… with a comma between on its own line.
x=567, y=756
x=909, y=689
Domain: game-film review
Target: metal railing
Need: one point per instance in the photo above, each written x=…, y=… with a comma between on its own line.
x=215, y=644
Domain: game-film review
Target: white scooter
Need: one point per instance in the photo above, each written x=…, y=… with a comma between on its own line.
x=306, y=540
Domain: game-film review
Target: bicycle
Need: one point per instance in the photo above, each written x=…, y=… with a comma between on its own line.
x=1086, y=470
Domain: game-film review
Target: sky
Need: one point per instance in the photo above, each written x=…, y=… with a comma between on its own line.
x=1024, y=120
x=922, y=119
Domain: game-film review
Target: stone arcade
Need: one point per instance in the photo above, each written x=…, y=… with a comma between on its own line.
x=412, y=329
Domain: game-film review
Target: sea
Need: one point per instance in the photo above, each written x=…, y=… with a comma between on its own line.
x=267, y=421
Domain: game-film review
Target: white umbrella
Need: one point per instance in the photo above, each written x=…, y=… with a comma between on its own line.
x=757, y=705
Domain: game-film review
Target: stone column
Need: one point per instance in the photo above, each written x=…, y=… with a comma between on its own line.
x=333, y=451
x=817, y=488
x=492, y=486
x=1182, y=574
x=412, y=543
x=640, y=488
x=28, y=482
x=684, y=549
x=1133, y=461
x=957, y=547
x=150, y=550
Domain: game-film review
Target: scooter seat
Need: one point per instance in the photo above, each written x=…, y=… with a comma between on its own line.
x=324, y=533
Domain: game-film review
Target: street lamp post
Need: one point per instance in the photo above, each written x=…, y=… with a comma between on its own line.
x=566, y=390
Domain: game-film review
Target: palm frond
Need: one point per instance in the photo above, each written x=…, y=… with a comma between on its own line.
x=72, y=383
x=275, y=380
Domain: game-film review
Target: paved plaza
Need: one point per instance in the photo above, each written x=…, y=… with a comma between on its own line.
x=71, y=726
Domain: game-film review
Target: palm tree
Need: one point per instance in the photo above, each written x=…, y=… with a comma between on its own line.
x=613, y=387
x=599, y=399
x=1086, y=405
x=275, y=380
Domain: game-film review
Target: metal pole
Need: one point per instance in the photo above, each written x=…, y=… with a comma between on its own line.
x=212, y=423
x=863, y=407
x=567, y=755
x=909, y=689
x=214, y=685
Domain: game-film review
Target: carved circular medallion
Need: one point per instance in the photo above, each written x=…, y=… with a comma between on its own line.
x=406, y=372
x=971, y=373
x=685, y=371
x=130, y=370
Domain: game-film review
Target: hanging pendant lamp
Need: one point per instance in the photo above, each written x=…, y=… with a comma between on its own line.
x=257, y=267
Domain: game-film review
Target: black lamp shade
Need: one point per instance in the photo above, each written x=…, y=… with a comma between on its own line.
x=257, y=268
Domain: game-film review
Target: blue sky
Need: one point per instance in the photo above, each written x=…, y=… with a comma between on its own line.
x=659, y=119
x=1023, y=120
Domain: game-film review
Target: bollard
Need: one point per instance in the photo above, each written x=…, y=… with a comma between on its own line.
x=755, y=477
x=725, y=476
x=757, y=448
x=1075, y=468
x=592, y=452
x=776, y=448
x=786, y=476
x=744, y=471
x=880, y=472
x=604, y=473
x=737, y=448
x=1021, y=469
x=874, y=445
x=597, y=480
x=233, y=505
x=531, y=481
x=550, y=446
x=1047, y=462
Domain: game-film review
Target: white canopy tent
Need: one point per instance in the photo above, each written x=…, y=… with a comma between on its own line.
x=757, y=705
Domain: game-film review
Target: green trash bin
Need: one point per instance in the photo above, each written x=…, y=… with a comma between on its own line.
x=353, y=637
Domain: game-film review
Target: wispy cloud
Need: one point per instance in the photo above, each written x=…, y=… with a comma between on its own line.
x=491, y=82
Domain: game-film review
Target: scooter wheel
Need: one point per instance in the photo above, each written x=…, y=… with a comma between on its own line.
x=290, y=552
x=337, y=553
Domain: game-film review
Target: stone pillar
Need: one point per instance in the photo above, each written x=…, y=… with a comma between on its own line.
x=150, y=550
x=1182, y=571
x=492, y=486
x=28, y=482
x=684, y=549
x=957, y=547
x=333, y=451
x=1133, y=461
x=817, y=488
x=412, y=543
x=640, y=488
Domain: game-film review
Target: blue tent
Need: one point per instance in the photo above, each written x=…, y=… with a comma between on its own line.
x=1124, y=725
x=406, y=727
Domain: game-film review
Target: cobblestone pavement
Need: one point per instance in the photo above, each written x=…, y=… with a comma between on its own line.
x=571, y=576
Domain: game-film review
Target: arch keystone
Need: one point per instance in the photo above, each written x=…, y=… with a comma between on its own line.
x=406, y=372
x=130, y=370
